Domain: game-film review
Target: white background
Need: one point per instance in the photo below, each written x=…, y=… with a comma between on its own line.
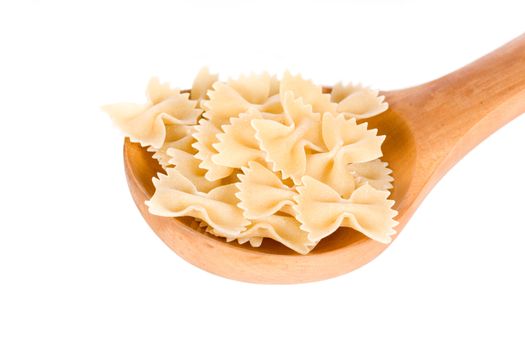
x=80, y=269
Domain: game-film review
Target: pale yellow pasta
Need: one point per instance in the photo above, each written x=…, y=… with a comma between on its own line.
x=358, y=102
x=177, y=196
x=224, y=103
x=254, y=88
x=375, y=173
x=265, y=158
x=206, y=135
x=177, y=136
x=147, y=123
x=347, y=142
x=255, y=241
x=286, y=144
x=321, y=210
x=157, y=92
x=177, y=132
x=186, y=163
x=237, y=143
x=227, y=100
x=281, y=228
x=202, y=83
x=310, y=93
x=262, y=193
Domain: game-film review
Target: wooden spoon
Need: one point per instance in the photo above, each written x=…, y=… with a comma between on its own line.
x=429, y=128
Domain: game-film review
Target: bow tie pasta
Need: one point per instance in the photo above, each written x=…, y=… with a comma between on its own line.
x=259, y=158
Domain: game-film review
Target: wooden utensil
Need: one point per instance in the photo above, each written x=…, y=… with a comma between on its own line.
x=429, y=128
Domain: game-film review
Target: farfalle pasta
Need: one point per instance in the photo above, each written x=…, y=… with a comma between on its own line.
x=177, y=196
x=259, y=158
x=236, y=144
x=347, y=143
x=177, y=136
x=147, y=123
x=202, y=83
x=286, y=144
x=357, y=101
x=256, y=180
x=376, y=173
x=322, y=210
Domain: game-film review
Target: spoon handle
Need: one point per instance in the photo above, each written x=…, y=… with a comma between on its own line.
x=455, y=113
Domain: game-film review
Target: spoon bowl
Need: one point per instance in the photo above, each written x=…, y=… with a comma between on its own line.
x=429, y=128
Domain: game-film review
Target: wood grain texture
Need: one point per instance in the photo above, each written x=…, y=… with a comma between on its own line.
x=429, y=128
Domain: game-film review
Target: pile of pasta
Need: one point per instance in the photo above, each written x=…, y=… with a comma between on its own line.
x=258, y=157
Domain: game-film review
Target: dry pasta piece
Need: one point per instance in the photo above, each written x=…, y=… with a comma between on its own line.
x=237, y=143
x=255, y=241
x=177, y=136
x=261, y=192
x=227, y=100
x=177, y=196
x=283, y=229
x=254, y=88
x=202, y=83
x=224, y=103
x=158, y=92
x=186, y=163
x=375, y=173
x=356, y=101
x=321, y=210
x=285, y=145
x=176, y=132
x=311, y=93
x=347, y=143
x=147, y=123
x=361, y=144
x=206, y=135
